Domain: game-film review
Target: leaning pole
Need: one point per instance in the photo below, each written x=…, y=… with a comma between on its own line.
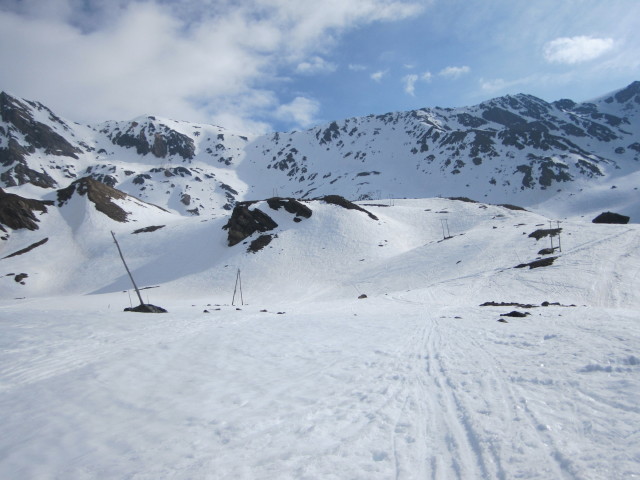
x=127, y=268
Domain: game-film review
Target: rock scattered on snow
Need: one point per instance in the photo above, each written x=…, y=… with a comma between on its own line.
x=146, y=308
x=543, y=262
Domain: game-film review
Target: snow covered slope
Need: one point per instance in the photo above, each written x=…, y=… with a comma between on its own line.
x=303, y=379
x=514, y=149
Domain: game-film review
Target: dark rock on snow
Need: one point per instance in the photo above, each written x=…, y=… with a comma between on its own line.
x=245, y=222
x=290, y=205
x=544, y=262
x=98, y=193
x=146, y=308
x=17, y=212
x=515, y=313
x=28, y=249
x=260, y=242
x=548, y=232
x=344, y=203
x=613, y=218
x=151, y=228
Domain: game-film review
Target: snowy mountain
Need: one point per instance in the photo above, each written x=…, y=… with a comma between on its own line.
x=513, y=149
x=309, y=336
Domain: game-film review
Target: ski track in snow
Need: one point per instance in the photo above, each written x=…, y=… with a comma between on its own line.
x=438, y=393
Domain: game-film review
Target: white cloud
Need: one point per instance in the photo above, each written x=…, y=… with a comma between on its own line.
x=355, y=67
x=410, y=81
x=315, y=65
x=572, y=50
x=377, y=76
x=410, y=84
x=188, y=59
x=302, y=111
x=454, y=72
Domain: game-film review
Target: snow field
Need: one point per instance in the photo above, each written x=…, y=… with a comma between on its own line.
x=415, y=381
x=375, y=388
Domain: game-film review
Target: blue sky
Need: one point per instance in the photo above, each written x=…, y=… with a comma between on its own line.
x=255, y=66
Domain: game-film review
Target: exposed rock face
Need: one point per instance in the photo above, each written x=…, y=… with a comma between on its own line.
x=344, y=203
x=260, y=242
x=24, y=136
x=290, y=205
x=158, y=140
x=98, y=193
x=17, y=212
x=245, y=222
x=36, y=134
x=610, y=217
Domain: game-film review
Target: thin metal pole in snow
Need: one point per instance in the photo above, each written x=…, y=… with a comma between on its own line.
x=444, y=222
x=559, y=243
x=127, y=268
x=235, y=289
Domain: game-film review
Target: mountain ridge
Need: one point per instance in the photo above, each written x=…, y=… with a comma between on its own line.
x=513, y=149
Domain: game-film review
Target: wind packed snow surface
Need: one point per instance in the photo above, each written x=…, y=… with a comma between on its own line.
x=307, y=381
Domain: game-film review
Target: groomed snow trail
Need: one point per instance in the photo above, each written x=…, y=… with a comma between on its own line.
x=387, y=387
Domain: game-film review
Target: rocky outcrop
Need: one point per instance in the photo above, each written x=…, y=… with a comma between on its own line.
x=99, y=194
x=25, y=136
x=344, y=203
x=36, y=134
x=244, y=222
x=17, y=212
x=159, y=140
x=290, y=205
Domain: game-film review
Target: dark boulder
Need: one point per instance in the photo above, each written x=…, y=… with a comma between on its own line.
x=545, y=232
x=515, y=314
x=260, y=242
x=290, y=205
x=146, y=308
x=613, y=218
x=245, y=222
x=544, y=262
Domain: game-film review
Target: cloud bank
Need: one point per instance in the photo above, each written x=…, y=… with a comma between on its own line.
x=215, y=61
